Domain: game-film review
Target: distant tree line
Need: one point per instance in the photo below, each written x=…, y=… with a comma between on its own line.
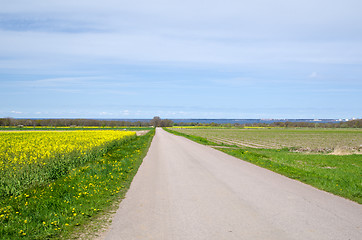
x=71, y=122
x=357, y=123
x=158, y=122
x=14, y=122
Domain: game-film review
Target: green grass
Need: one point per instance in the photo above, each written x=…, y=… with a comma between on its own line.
x=192, y=137
x=340, y=175
x=59, y=208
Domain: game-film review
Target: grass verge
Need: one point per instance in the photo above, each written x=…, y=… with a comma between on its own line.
x=192, y=137
x=340, y=175
x=59, y=208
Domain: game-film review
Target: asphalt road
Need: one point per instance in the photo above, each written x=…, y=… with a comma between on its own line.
x=184, y=190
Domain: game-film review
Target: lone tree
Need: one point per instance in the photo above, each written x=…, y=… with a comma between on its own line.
x=158, y=122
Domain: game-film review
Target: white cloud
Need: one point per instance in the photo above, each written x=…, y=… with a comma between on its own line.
x=313, y=75
x=59, y=50
x=105, y=114
x=16, y=112
x=125, y=112
x=61, y=81
x=230, y=32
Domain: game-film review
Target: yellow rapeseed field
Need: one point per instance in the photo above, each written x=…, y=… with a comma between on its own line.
x=18, y=149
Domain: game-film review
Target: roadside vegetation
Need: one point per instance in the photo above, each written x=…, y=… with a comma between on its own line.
x=80, y=186
x=338, y=174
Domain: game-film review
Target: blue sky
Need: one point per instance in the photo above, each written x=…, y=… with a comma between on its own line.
x=181, y=59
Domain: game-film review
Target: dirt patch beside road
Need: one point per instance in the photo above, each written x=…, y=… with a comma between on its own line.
x=141, y=133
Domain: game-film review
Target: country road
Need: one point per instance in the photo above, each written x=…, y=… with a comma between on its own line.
x=184, y=190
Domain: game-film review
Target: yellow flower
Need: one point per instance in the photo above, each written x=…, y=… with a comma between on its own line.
x=18, y=149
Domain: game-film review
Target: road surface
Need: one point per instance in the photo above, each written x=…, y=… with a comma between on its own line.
x=184, y=190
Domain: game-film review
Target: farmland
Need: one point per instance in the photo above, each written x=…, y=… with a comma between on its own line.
x=302, y=139
x=31, y=157
x=53, y=182
x=307, y=155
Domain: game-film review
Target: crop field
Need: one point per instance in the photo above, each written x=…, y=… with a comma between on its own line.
x=24, y=148
x=301, y=154
x=30, y=157
x=302, y=140
x=52, y=182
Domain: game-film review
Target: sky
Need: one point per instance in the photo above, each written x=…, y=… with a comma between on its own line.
x=118, y=59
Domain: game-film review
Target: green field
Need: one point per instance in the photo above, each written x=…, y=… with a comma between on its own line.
x=301, y=154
